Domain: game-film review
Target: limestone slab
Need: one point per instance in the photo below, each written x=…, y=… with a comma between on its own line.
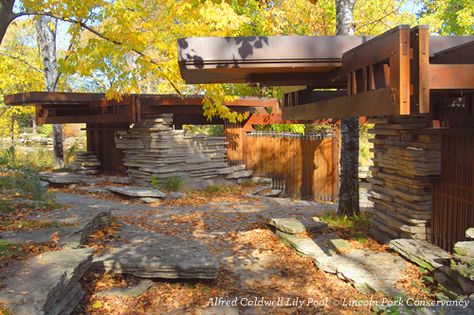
x=136, y=191
x=296, y=225
x=421, y=252
x=47, y=283
x=152, y=255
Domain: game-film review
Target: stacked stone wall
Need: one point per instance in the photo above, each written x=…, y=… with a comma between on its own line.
x=406, y=160
x=154, y=149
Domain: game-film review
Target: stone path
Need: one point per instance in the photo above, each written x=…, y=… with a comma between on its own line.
x=366, y=270
x=221, y=238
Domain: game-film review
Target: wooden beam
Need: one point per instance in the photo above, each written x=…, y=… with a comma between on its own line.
x=374, y=103
x=462, y=54
x=392, y=48
x=451, y=77
x=84, y=119
x=51, y=97
x=419, y=70
x=375, y=50
x=99, y=100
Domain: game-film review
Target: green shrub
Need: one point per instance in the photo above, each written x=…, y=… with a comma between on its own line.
x=155, y=183
x=174, y=183
x=8, y=158
x=356, y=227
x=213, y=188
x=13, y=159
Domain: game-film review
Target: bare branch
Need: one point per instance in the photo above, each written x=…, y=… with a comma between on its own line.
x=21, y=60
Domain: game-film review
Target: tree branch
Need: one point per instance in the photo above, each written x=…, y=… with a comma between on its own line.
x=23, y=61
x=98, y=34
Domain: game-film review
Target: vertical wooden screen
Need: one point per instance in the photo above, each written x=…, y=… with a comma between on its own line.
x=453, y=196
x=309, y=165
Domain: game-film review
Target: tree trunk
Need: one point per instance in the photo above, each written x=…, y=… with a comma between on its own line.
x=46, y=28
x=349, y=161
x=6, y=16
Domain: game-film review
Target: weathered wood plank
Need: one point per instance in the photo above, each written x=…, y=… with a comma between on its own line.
x=374, y=103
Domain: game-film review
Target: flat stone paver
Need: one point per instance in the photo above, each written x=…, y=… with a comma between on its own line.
x=47, y=283
x=421, y=252
x=81, y=222
x=136, y=191
x=296, y=225
x=366, y=270
x=152, y=255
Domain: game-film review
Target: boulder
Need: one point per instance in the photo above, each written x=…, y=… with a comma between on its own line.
x=47, y=283
x=151, y=255
x=136, y=191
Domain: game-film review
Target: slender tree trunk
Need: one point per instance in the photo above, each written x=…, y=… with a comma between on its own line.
x=349, y=163
x=6, y=16
x=46, y=29
x=34, y=126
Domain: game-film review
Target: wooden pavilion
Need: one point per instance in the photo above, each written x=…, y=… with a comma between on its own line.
x=418, y=89
x=104, y=118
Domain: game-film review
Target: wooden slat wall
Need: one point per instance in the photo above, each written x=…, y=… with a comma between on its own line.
x=235, y=137
x=101, y=141
x=309, y=165
x=453, y=196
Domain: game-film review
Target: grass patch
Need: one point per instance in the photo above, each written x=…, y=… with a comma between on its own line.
x=213, y=189
x=219, y=189
x=353, y=227
x=21, y=175
x=174, y=183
